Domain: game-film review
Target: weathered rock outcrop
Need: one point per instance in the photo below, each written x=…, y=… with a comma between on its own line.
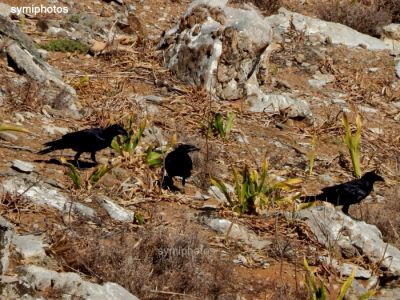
x=322, y=30
x=335, y=229
x=26, y=60
x=222, y=48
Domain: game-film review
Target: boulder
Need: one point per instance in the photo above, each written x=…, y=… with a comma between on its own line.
x=29, y=246
x=43, y=194
x=72, y=284
x=334, y=229
x=115, y=211
x=222, y=48
x=237, y=232
x=322, y=30
x=27, y=60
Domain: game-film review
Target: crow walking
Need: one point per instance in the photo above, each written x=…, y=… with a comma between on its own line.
x=178, y=163
x=88, y=140
x=347, y=193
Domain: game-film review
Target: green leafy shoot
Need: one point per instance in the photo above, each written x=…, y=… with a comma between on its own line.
x=138, y=218
x=316, y=292
x=346, y=285
x=253, y=189
x=367, y=295
x=72, y=173
x=311, y=155
x=123, y=144
x=353, y=143
x=83, y=81
x=154, y=158
x=221, y=126
x=5, y=127
x=222, y=187
x=98, y=174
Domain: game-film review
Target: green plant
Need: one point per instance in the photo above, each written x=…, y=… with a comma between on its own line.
x=127, y=144
x=253, y=189
x=65, y=45
x=319, y=292
x=353, y=143
x=5, y=127
x=138, y=218
x=93, y=179
x=221, y=126
x=311, y=155
x=73, y=173
x=74, y=18
x=316, y=292
x=98, y=173
x=83, y=81
x=154, y=158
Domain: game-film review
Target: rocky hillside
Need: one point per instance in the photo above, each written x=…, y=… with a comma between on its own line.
x=264, y=89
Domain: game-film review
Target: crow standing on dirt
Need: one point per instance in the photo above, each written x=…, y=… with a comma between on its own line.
x=88, y=140
x=347, y=193
x=178, y=163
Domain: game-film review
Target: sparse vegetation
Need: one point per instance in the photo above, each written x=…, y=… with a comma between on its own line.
x=139, y=255
x=353, y=143
x=93, y=179
x=221, y=126
x=160, y=261
x=126, y=145
x=254, y=190
x=267, y=7
x=311, y=155
x=65, y=45
x=154, y=157
x=365, y=16
x=318, y=291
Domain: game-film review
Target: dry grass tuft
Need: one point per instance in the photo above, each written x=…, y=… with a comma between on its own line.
x=160, y=264
x=386, y=217
x=366, y=16
x=267, y=7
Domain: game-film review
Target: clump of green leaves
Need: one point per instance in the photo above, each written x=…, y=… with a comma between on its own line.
x=65, y=45
x=138, y=218
x=154, y=157
x=76, y=177
x=312, y=154
x=83, y=82
x=319, y=292
x=254, y=190
x=73, y=173
x=127, y=144
x=352, y=142
x=222, y=126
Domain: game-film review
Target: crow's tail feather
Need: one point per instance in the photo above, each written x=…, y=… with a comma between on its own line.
x=46, y=150
x=52, y=146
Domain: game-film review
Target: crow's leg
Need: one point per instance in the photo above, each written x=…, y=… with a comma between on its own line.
x=168, y=183
x=183, y=181
x=345, y=208
x=93, y=157
x=76, y=158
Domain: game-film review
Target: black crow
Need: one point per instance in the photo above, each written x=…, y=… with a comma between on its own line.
x=178, y=163
x=347, y=193
x=88, y=140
